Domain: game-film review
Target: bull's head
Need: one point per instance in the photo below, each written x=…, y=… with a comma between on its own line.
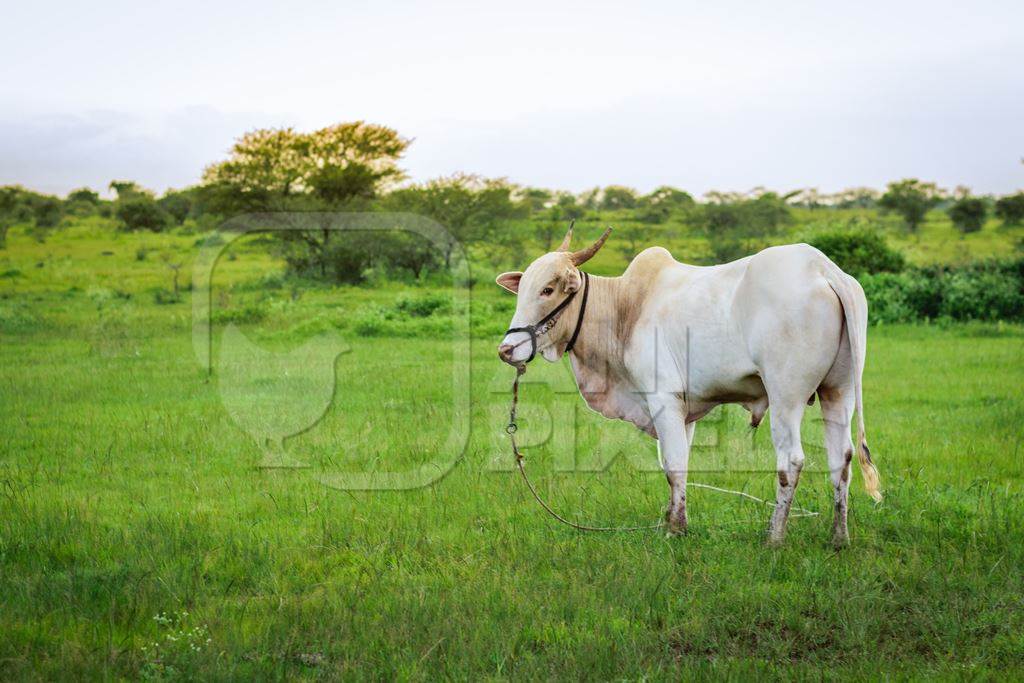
x=539, y=290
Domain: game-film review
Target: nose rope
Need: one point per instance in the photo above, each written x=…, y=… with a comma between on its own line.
x=511, y=430
x=513, y=427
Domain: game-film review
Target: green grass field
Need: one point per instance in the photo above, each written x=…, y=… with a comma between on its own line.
x=139, y=539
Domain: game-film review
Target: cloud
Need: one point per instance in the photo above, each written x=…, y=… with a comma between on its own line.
x=59, y=152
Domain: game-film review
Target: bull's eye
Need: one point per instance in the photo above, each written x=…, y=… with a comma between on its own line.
x=547, y=291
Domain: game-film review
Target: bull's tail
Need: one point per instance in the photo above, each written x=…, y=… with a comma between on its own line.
x=855, y=309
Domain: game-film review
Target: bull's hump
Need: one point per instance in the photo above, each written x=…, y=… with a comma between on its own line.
x=649, y=263
x=639, y=280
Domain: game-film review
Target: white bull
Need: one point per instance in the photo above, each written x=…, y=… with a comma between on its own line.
x=666, y=342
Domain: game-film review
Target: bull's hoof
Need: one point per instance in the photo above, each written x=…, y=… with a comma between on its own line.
x=840, y=541
x=775, y=540
x=674, y=531
x=674, y=526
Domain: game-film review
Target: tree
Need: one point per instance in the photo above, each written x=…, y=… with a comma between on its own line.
x=469, y=207
x=968, y=214
x=14, y=208
x=660, y=204
x=18, y=204
x=125, y=188
x=177, y=204
x=738, y=227
x=669, y=196
x=1010, y=209
x=569, y=208
x=911, y=199
x=535, y=199
x=617, y=197
x=589, y=199
x=652, y=213
x=549, y=228
x=47, y=212
x=409, y=252
x=334, y=164
x=337, y=186
x=84, y=194
x=630, y=237
x=333, y=168
x=141, y=212
x=10, y=197
x=81, y=202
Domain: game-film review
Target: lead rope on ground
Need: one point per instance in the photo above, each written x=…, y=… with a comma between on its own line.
x=511, y=430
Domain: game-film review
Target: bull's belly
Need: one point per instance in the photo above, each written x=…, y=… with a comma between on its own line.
x=747, y=391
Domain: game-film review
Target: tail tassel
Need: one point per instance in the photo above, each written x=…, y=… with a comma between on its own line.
x=867, y=468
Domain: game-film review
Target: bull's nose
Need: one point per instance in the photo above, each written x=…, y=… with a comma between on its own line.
x=505, y=352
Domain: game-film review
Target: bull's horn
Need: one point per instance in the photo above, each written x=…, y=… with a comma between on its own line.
x=584, y=255
x=564, y=246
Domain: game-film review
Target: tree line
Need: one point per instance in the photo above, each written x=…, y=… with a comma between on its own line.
x=356, y=167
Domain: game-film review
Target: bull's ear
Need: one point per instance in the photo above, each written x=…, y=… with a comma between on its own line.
x=509, y=281
x=573, y=280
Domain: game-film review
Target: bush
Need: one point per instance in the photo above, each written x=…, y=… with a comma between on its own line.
x=79, y=209
x=423, y=306
x=164, y=297
x=177, y=205
x=924, y=294
x=982, y=296
x=47, y=212
x=887, y=298
x=250, y=313
x=968, y=214
x=140, y=212
x=862, y=251
x=1010, y=209
x=409, y=316
x=981, y=291
x=84, y=194
x=370, y=322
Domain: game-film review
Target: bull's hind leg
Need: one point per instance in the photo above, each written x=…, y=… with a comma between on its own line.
x=837, y=405
x=837, y=416
x=785, y=421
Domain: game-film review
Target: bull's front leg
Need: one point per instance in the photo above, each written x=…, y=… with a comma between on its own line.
x=669, y=416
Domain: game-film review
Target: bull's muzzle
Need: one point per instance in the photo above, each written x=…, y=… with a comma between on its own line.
x=505, y=352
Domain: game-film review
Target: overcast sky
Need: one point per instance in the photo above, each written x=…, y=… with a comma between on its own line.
x=709, y=95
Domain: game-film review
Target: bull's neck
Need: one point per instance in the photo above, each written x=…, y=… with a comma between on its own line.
x=599, y=341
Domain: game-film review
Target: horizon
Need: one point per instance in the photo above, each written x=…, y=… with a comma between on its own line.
x=722, y=98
